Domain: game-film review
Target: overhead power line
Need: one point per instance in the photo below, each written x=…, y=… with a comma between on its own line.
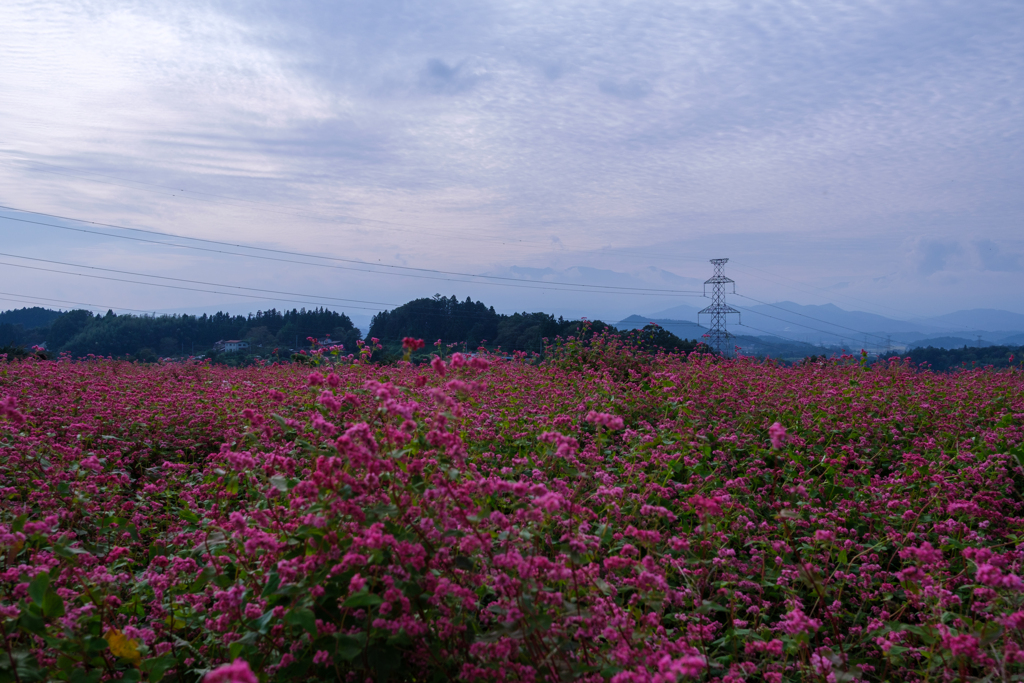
x=773, y=334
x=393, y=269
x=471, y=316
x=561, y=288
x=24, y=298
x=190, y=289
x=803, y=315
x=195, y=282
x=270, y=207
x=805, y=285
x=839, y=336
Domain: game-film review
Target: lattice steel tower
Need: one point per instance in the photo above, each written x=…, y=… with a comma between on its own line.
x=717, y=335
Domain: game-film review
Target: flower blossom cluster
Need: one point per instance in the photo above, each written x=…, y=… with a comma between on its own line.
x=600, y=516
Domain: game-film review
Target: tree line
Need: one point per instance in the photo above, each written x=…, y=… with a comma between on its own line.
x=945, y=360
x=459, y=325
x=81, y=332
x=468, y=325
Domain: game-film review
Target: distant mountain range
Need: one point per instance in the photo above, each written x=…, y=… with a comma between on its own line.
x=684, y=329
x=787, y=321
x=830, y=325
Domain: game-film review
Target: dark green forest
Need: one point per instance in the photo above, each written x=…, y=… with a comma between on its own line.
x=470, y=324
x=944, y=360
x=459, y=325
x=464, y=325
x=80, y=332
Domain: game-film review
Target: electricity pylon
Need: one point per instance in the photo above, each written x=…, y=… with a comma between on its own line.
x=717, y=335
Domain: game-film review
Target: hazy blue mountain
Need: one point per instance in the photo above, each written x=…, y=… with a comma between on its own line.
x=1012, y=340
x=684, y=329
x=796, y=316
x=829, y=324
x=680, y=312
x=979, y=319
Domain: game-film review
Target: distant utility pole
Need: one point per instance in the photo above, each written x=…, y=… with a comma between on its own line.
x=717, y=335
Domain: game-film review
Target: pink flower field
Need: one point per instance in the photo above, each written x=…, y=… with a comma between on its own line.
x=597, y=517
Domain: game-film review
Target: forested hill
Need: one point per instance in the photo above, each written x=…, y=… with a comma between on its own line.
x=470, y=324
x=29, y=318
x=81, y=332
x=467, y=325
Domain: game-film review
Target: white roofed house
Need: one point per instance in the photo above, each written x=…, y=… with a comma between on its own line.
x=231, y=345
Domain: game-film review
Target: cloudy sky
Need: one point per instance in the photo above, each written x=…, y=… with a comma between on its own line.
x=867, y=154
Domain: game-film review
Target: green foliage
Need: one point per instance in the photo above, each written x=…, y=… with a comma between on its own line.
x=470, y=323
x=29, y=318
x=66, y=327
x=623, y=355
x=148, y=337
x=944, y=360
x=19, y=353
x=437, y=318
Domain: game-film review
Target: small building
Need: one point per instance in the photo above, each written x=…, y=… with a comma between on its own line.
x=231, y=345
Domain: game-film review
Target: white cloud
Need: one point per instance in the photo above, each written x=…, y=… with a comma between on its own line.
x=841, y=141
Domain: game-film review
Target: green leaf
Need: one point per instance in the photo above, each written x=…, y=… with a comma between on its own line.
x=707, y=607
x=204, y=578
x=37, y=589
x=31, y=621
x=188, y=515
x=66, y=552
x=24, y=664
x=156, y=667
x=83, y=676
x=53, y=605
x=303, y=617
x=280, y=483
x=235, y=650
x=263, y=621
x=350, y=645
x=273, y=581
x=363, y=599
x=95, y=644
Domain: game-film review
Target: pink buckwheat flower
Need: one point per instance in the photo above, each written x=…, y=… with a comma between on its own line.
x=8, y=407
x=669, y=670
x=777, y=433
x=236, y=672
x=357, y=584
x=1012, y=621
x=605, y=420
x=797, y=622
x=963, y=645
